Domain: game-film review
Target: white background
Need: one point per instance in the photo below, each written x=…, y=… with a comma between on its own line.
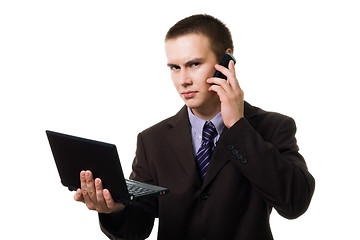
x=97, y=69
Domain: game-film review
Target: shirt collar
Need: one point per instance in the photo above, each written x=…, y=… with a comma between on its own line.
x=198, y=124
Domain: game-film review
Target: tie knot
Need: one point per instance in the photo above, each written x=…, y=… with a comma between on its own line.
x=209, y=131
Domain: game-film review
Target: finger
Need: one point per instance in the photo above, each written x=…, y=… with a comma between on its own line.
x=90, y=186
x=108, y=199
x=111, y=204
x=231, y=66
x=78, y=196
x=83, y=185
x=232, y=75
x=218, y=82
x=229, y=71
x=223, y=69
x=221, y=92
x=99, y=192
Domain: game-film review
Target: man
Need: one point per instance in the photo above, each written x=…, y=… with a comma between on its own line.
x=250, y=164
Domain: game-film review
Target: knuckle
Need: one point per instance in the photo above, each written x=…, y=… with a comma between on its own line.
x=90, y=192
x=90, y=206
x=99, y=195
x=84, y=192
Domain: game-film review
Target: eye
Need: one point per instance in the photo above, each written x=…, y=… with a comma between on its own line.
x=195, y=64
x=174, y=67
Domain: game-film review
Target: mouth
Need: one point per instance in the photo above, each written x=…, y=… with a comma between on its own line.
x=188, y=94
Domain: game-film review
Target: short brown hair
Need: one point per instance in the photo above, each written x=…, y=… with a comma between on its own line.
x=218, y=34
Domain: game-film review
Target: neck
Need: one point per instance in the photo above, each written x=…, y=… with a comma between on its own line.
x=206, y=114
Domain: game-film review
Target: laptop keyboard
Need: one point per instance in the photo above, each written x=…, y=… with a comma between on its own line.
x=136, y=190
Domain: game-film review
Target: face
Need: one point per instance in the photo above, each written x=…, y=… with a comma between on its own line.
x=191, y=63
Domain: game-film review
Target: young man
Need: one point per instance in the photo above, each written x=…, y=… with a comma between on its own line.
x=226, y=163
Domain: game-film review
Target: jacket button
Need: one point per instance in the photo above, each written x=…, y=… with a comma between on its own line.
x=230, y=147
x=235, y=152
x=243, y=160
x=204, y=196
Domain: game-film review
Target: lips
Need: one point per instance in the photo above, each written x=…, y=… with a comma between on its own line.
x=189, y=94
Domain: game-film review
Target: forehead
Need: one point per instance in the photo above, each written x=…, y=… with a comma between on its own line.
x=187, y=47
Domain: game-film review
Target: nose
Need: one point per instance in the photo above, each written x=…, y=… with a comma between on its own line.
x=185, y=78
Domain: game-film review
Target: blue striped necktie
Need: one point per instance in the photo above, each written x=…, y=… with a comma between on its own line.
x=206, y=149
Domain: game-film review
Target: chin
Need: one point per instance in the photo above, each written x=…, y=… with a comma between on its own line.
x=192, y=104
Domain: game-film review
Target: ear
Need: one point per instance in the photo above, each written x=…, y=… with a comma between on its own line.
x=228, y=50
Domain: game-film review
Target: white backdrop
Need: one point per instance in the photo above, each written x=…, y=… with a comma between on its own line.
x=97, y=69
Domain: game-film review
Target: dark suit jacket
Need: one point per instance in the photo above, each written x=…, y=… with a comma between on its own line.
x=255, y=167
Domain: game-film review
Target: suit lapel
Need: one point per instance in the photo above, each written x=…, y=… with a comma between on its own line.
x=179, y=138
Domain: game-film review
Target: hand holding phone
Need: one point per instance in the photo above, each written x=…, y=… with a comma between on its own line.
x=224, y=62
x=230, y=94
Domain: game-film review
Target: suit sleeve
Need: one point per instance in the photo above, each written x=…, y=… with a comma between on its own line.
x=136, y=220
x=270, y=159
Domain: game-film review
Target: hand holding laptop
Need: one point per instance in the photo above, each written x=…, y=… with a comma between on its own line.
x=94, y=196
x=74, y=154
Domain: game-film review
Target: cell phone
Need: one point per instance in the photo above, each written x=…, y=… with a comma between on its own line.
x=224, y=62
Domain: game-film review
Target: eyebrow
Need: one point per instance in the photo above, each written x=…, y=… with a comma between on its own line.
x=188, y=63
x=172, y=65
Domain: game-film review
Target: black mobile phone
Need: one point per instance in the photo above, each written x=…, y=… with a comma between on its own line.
x=224, y=62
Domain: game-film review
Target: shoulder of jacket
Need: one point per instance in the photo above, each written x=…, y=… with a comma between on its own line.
x=167, y=123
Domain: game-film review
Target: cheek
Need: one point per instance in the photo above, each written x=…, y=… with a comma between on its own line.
x=202, y=76
x=208, y=71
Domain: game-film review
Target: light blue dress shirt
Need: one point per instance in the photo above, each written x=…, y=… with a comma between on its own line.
x=197, y=125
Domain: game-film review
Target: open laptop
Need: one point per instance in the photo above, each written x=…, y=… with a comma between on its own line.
x=74, y=154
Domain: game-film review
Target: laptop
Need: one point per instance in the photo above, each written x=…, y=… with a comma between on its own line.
x=73, y=154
